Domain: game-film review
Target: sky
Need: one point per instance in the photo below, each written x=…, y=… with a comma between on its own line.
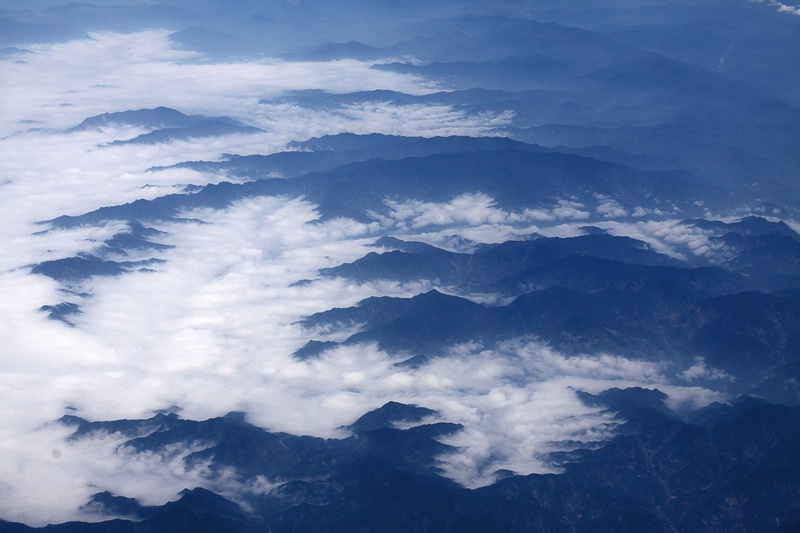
x=212, y=329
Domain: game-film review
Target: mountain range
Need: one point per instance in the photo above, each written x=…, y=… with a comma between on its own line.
x=401, y=266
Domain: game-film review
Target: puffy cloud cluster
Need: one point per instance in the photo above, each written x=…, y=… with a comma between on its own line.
x=570, y=209
x=702, y=371
x=477, y=217
x=610, y=208
x=782, y=8
x=467, y=209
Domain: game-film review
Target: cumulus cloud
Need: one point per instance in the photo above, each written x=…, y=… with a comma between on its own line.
x=792, y=10
x=570, y=209
x=469, y=209
x=699, y=370
x=609, y=208
x=476, y=217
x=782, y=8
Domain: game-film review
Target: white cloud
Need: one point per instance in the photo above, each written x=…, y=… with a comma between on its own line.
x=475, y=216
x=59, y=85
x=517, y=402
x=220, y=317
x=570, y=209
x=782, y=8
x=670, y=237
x=54, y=476
x=702, y=371
x=45, y=173
x=467, y=209
x=213, y=328
x=609, y=208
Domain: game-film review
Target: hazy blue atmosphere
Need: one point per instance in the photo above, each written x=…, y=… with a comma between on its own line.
x=400, y=265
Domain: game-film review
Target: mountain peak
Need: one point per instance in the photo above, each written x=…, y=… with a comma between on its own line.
x=389, y=415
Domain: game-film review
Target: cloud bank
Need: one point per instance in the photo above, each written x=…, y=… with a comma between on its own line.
x=56, y=86
x=213, y=328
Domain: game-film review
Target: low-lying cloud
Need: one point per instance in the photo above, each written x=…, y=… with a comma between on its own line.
x=56, y=86
x=213, y=328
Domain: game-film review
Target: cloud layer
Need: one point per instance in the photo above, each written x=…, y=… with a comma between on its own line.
x=213, y=328
x=58, y=85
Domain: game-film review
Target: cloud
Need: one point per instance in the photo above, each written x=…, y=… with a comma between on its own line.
x=54, y=476
x=782, y=8
x=58, y=85
x=220, y=317
x=296, y=122
x=702, y=371
x=47, y=173
x=517, y=402
x=466, y=209
x=570, y=209
x=610, y=208
x=213, y=328
x=671, y=237
x=476, y=217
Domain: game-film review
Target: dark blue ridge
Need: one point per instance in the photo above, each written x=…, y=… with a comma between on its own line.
x=743, y=334
x=516, y=179
x=79, y=268
x=750, y=226
x=326, y=153
x=107, y=504
x=62, y=311
x=388, y=415
x=497, y=265
x=207, y=128
x=159, y=118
